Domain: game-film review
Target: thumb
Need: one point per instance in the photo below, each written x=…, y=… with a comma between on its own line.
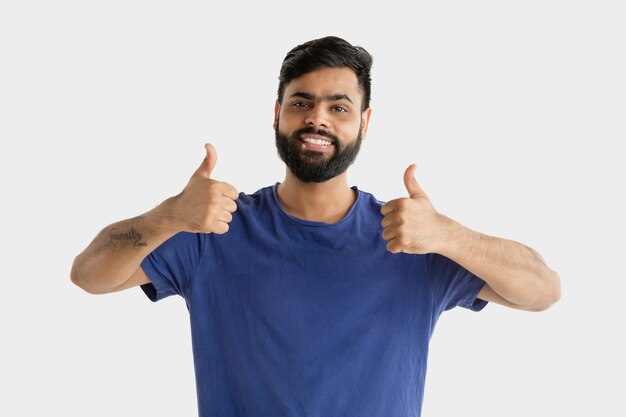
x=411, y=183
x=205, y=169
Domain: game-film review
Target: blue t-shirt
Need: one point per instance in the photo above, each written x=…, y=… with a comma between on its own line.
x=291, y=317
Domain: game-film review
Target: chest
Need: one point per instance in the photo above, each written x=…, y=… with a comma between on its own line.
x=316, y=286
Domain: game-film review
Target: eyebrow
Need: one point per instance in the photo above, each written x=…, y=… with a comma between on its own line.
x=332, y=97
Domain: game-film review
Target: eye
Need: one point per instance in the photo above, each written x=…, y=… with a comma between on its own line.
x=300, y=104
x=340, y=109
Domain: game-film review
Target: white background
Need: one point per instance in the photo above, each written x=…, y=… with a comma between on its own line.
x=513, y=111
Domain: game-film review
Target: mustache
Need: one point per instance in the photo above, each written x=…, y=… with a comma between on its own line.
x=315, y=131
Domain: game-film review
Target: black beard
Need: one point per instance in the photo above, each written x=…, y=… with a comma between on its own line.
x=312, y=166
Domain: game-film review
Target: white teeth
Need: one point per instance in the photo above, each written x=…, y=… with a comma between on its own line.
x=317, y=141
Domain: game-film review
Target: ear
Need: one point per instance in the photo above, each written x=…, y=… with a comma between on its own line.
x=365, y=121
x=276, y=113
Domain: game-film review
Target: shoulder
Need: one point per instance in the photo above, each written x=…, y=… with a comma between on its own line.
x=253, y=215
x=248, y=201
x=368, y=201
x=255, y=205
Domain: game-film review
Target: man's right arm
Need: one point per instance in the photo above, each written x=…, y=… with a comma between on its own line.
x=112, y=260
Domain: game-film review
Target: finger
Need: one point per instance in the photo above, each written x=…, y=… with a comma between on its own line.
x=393, y=205
x=390, y=233
x=392, y=246
x=220, y=227
x=229, y=205
x=207, y=165
x=224, y=216
x=389, y=206
x=229, y=191
x=411, y=183
x=388, y=220
x=394, y=218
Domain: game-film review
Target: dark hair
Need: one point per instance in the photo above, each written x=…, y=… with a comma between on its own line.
x=328, y=52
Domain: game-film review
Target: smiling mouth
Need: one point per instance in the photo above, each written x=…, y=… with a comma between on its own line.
x=320, y=146
x=316, y=141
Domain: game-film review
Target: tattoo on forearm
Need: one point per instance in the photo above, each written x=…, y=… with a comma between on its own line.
x=133, y=235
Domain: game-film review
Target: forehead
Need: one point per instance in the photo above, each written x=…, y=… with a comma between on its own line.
x=326, y=82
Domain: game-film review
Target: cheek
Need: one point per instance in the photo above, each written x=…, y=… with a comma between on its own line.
x=286, y=121
x=350, y=131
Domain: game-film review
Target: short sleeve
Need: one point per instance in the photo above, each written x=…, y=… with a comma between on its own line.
x=172, y=265
x=454, y=285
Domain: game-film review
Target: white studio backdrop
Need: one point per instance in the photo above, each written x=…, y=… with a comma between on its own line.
x=513, y=111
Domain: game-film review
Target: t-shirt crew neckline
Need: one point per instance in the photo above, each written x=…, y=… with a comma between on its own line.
x=312, y=223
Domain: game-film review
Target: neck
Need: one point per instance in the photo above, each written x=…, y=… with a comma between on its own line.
x=326, y=202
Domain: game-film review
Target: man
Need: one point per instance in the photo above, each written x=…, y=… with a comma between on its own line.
x=310, y=297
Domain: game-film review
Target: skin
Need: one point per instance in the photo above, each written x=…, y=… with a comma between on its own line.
x=516, y=275
x=204, y=206
x=328, y=201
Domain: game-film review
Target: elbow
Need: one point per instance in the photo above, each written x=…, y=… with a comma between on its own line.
x=554, y=292
x=551, y=294
x=81, y=284
x=75, y=273
x=77, y=278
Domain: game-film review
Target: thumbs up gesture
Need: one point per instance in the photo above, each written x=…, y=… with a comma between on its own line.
x=205, y=205
x=412, y=225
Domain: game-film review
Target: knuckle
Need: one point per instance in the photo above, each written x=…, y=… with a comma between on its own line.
x=213, y=200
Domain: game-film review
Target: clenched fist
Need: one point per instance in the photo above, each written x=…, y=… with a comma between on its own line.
x=412, y=225
x=205, y=205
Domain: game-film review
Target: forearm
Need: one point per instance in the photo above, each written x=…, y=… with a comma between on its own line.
x=513, y=270
x=117, y=251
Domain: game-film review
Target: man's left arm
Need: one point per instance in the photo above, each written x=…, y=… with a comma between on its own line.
x=516, y=275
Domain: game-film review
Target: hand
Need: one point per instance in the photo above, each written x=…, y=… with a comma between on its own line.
x=412, y=225
x=205, y=205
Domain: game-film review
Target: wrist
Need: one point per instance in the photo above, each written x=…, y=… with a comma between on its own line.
x=163, y=218
x=453, y=234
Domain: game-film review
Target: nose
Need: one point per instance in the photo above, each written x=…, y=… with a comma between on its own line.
x=317, y=117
